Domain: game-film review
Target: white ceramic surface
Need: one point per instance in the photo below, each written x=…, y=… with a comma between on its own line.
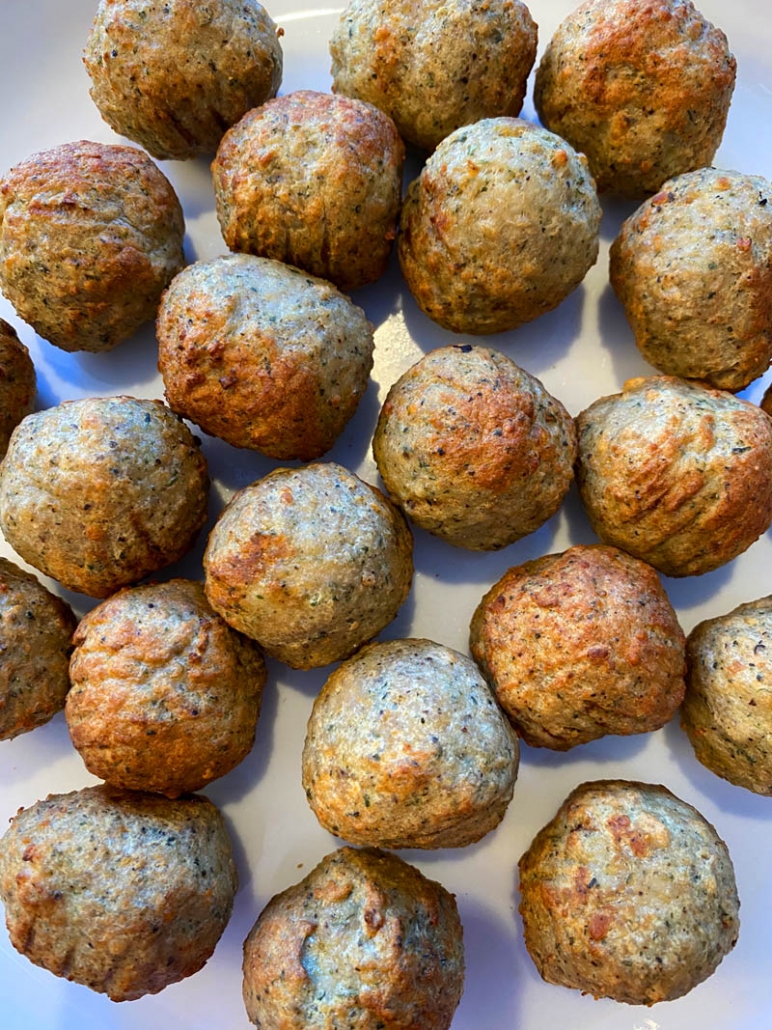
x=581, y=351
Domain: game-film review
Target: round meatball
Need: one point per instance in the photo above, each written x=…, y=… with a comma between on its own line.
x=122, y=892
x=99, y=492
x=18, y=383
x=643, y=89
x=407, y=748
x=313, y=180
x=365, y=941
x=311, y=562
x=581, y=644
x=90, y=236
x=434, y=65
x=36, y=630
x=499, y=227
x=628, y=893
x=201, y=67
x=675, y=473
x=693, y=270
x=263, y=355
x=474, y=449
x=165, y=695
x=727, y=712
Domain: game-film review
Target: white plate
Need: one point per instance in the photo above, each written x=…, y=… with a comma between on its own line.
x=581, y=351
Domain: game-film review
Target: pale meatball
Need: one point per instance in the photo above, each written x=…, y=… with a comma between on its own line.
x=18, y=383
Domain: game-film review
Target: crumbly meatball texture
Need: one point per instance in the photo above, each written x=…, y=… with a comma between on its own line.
x=165, y=695
x=365, y=941
x=474, y=449
x=675, y=473
x=407, y=748
x=174, y=76
x=90, y=236
x=313, y=180
x=435, y=65
x=499, y=227
x=18, y=383
x=581, y=644
x=693, y=270
x=310, y=562
x=727, y=712
x=643, y=89
x=99, y=492
x=263, y=355
x=122, y=892
x=628, y=893
x=36, y=630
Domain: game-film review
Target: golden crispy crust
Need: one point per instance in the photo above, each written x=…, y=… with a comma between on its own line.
x=315, y=181
x=581, y=644
x=628, y=893
x=18, y=383
x=364, y=941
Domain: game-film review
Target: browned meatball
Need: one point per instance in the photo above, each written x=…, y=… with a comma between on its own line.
x=18, y=383
x=643, y=89
x=36, y=630
x=676, y=474
x=90, y=235
x=474, y=449
x=365, y=941
x=99, y=492
x=313, y=180
x=263, y=355
x=581, y=644
x=201, y=67
x=628, y=893
x=165, y=695
x=122, y=892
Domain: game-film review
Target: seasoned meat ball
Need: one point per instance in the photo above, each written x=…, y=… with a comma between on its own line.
x=581, y=644
x=365, y=941
x=676, y=474
x=311, y=562
x=499, y=227
x=474, y=449
x=313, y=180
x=727, y=712
x=693, y=270
x=628, y=893
x=201, y=67
x=434, y=65
x=643, y=89
x=122, y=892
x=90, y=235
x=36, y=630
x=407, y=748
x=165, y=695
x=17, y=383
x=263, y=355
x=99, y=492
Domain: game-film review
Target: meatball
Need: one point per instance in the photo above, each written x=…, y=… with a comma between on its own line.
x=36, y=630
x=99, y=492
x=693, y=269
x=407, y=748
x=643, y=89
x=434, y=66
x=18, y=383
x=263, y=355
x=201, y=67
x=499, y=227
x=581, y=644
x=165, y=695
x=310, y=562
x=628, y=893
x=727, y=712
x=90, y=235
x=122, y=892
x=313, y=180
x=474, y=449
x=365, y=940
x=676, y=474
